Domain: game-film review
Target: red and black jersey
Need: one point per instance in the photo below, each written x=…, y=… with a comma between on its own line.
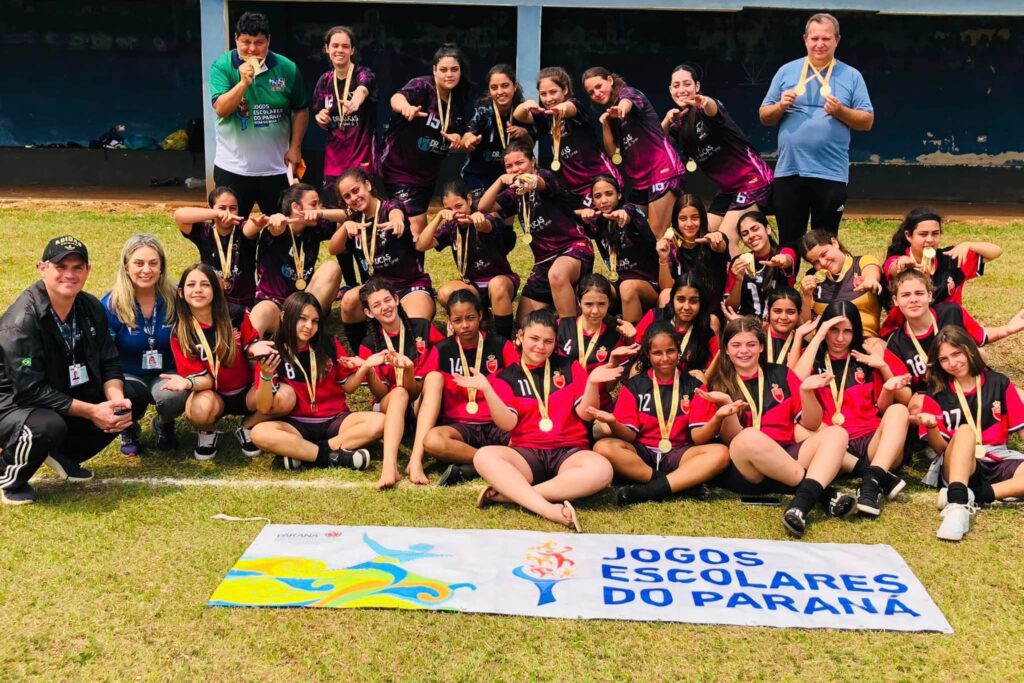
x=230, y=379
x=757, y=287
x=781, y=404
x=568, y=381
x=330, y=397
x=899, y=341
x=860, y=397
x=777, y=343
x=1002, y=411
x=420, y=336
x=948, y=278
x=694, y=344
x=607, y=339
x=498, y=354
x=635, y=408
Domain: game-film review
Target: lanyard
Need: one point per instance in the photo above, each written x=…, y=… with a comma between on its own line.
x=917, y=344
x=68, y=332
x=344, y=96
x=299, y=255
x=226, y=258
x=781, y=358
x=399, y=372
x=462, y=248
x=665, y=426
x=211, y=360
x=542, y=401
x=527, y=224
x=755, y=410
x=556, y=142
x=471, y=406
x=973, y=420
x=581, y=350
x=686, y=342
x=370, y=248
x=838, y=394
x=444, y=114
x=148, y=326
x=311, y=378
x=499, y=124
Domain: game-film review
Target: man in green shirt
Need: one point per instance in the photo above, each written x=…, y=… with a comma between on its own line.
x=262, y=113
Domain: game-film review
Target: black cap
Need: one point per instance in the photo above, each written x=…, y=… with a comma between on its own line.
x=61, y=247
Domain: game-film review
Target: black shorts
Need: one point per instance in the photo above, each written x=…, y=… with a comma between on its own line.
x=480, y=434
x=537, y=285
x=318, y=431
x=421, y=285
x=669, y=461
x=724, y=202
x=733, y=480
x=859, y=446
x=544, y=463
x=234, y=404
x=481, y=287
x=657, y=191
x=416, y=198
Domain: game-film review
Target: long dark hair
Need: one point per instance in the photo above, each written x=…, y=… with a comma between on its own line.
x=818, y=238
x=216, y=192
x=643, y=359
x=773, y=279
x=375, y=332
x=460, y=93
x=618, y=82
x=900, y=244
x=844, y=309
x=954, y=335
x=687, y=136
x=294, y=195
x=684, y=200
x=725, y=378
x=504, y=70
x=698, y=351
x=287, y=341
x=224, y=347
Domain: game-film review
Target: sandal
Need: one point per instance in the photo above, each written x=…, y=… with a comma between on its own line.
x=575, y=518
x=482, y=500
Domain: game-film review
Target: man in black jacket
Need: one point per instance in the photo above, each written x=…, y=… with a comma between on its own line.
x=61, y=386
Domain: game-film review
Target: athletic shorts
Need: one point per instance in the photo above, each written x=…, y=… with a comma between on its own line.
x=480, y=434
x=733, y=480
x=234, y=404
x=724, y=202
x=859, y=446
x=537, y=286
x=416, y=198
x=669, y=461
x=481, y=286
x=421, y=285
x=657, y=191
x=320, y=430
x=544, y=463
x=995, y=472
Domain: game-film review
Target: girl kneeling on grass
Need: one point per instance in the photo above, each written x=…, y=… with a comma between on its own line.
x=320, y=430
x=465, y=418
x=863, y=385
x=754, y=407
x=540, y=401
x=395, y=347
x=650, y=440
x=212, y=355
x=967, y=417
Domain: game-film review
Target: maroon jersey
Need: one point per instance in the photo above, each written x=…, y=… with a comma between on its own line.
x=648, y=158
x=486, y=252
x=568, y=381
x=635, y=409
x=580, y=152
x=230, y=379
x=419, y=338
x=757, y=287
x=780, y=404
x=395, y=259
x=444, y=358
x=351, y=142
x=330, y=397
x=860, y=398
x=553, y=223
x=723, y=153
x=1001, y=410
x=948, y=281
x=242, y=290
x=414, y=150
x=945, y=314
x=637, y=258
x=275, y=259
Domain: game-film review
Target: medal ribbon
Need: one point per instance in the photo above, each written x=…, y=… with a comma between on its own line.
x=917, y=344
x=344, y=95
x=527, y=210
x=462, y=248
x=226, y=259
x=838, y=394
x=556, y=136
x=444, y=114
x=211, y=360
x=298, y=255
x=370, y=247
x=781, y=358
x=476, y=364
x=584, y=352
x=310, y=379
x=399, y=372
x=542, y=403
x=973, y=420
x=665, y=426
x=500, y=125
x=755, y=409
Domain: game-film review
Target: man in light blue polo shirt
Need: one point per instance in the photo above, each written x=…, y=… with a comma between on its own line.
x=816, y=101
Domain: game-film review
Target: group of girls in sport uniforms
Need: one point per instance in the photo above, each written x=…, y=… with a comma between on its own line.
x=707, y=356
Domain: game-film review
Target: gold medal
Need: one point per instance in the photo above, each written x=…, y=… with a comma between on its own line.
x=691, y=165
x=617, y=158
x=613, y=276
x=526, y=220
x=527, y=238
x=928, y=253
x=826, y=90
x=838, y=420
x=555, y=164
x=800, y=89
x=546, y=425
x=227, y=284
x=664, y=445
x=299, y=256
x=472, y=407
x=820, y=275
x=979, y=452
x=300, y=284
x=256, y=65
x=556, y=142
x=838, y=393
x=665, y=424
x=973, y=421
x=369, y=247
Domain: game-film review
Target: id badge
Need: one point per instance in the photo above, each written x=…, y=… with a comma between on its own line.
x=78, y=374
x=152, y=360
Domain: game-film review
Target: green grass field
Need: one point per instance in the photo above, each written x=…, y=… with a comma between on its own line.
x=108, y=581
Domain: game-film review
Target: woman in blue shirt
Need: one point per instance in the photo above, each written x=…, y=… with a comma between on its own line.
x=140, y=310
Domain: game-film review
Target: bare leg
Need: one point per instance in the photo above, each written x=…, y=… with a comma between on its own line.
x=203, y=409
x=527, y=306
x=636, y=297
x=510, y=475
x=698, y=465
x=659, y=213
x=1013, y=487
x=450, y=287
x=325, y=283
x=445, y=445
x=280, y=438
x=357, y=430
x=624, y=459
x=393, y=406
x=886, y=447
x=283, y=404
x=757, y=456
x=822, y=454
x=426, y=418
x=583, y=474
x=419, y=305
x=265, y=318
x=499, y=290
x=562, y=277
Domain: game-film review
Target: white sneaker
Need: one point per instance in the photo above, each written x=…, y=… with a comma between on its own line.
x=244, y=436
x=941, y=500
x=956, y=521
x=206, y=445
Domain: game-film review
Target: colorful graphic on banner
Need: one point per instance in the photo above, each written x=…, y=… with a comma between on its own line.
x=644, y=578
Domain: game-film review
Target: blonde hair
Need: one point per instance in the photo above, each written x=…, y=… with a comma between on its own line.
x=122, y=294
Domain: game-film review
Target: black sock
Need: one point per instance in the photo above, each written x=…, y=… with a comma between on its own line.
x=322, y=460
x=860, y=468
x=984, y=495
x=656, y=489
x=354, y=333
x=503, y=326
x=957, y=494
x=807, y=494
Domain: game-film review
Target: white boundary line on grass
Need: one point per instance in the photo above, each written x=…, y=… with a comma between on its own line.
x=229, y=483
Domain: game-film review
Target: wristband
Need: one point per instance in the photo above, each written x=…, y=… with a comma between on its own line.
x=266, y=379
x=191, y=383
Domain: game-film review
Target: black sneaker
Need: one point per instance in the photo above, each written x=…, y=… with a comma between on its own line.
x=699, y=492
x=841, y=505
x=868, y=496
x=454, y=475
x=244, y=436
x=22, y=495
x=206, y=445
x=793, y=520
x=166, y=439
x=891, y=485
x=358, y=459
x=68, y=469
x=292, y=464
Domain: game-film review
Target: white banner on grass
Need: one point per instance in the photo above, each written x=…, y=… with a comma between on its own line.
x=589, y=576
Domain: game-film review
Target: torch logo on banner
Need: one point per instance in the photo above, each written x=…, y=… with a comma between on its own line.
x=548, y=565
